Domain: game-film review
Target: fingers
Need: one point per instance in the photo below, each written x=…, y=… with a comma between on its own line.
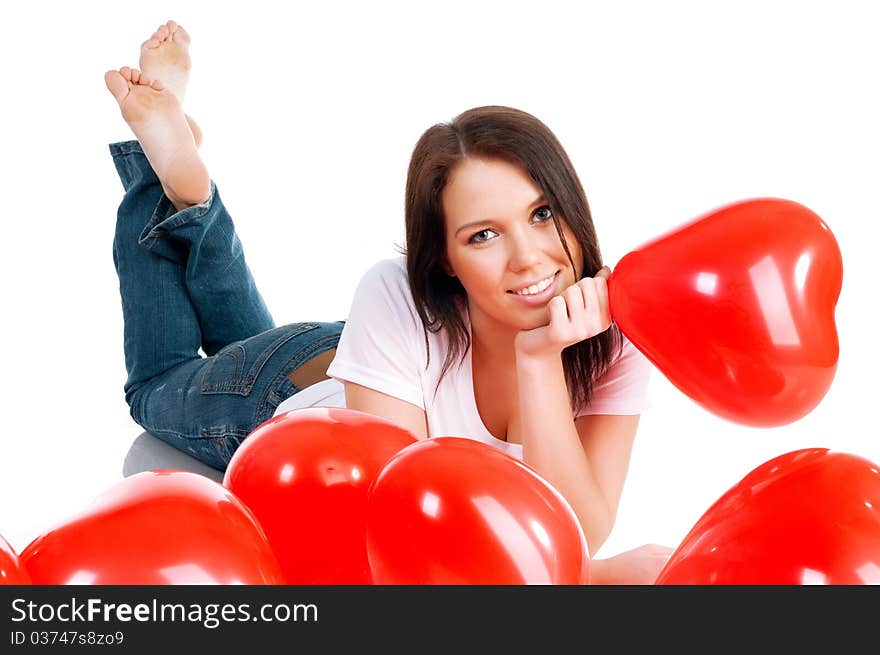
x=574, y=301
x=602, y=304
x=588, y=289
x=586, y=308
x=580, y=312
x=558, y=310
x=595, y=311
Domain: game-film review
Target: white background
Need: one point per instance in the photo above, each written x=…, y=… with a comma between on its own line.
x=310, y=114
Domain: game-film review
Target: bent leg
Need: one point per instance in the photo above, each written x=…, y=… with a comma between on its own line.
x=183, y=279
x=184, y=282
x=202, y=240
x=206, y=407
x=161, y=328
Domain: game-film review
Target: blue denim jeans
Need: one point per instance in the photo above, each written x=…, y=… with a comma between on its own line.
x=185, y=285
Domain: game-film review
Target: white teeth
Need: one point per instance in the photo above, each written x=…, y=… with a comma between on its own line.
x=536, y=288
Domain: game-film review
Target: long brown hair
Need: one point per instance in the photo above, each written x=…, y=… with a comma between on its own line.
x=495, y=132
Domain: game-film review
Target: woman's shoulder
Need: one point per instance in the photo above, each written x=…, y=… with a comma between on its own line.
x=623, y=387
x=386, y=283
x=627, y=349
x=391, y=270
x=628, y=359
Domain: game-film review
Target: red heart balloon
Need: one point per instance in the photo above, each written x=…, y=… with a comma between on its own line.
x=456, y=511
x=11, y=570
x=156, y=528
x=736, y=309
x=810, y=516
x=305, y=475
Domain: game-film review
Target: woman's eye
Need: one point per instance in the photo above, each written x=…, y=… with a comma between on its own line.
x=543, y=213
x=481, y=237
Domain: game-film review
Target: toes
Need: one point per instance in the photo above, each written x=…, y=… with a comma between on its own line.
x=117, y=84
x=177, y=32
x=134, y=76
x=158, y=36
x=144, y=79
x=170, y=30
x=158, y=85
x=181, y=35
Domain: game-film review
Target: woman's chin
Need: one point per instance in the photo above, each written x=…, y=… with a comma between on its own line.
x=530, y=319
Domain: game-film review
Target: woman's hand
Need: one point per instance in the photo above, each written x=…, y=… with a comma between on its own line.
x=639, y=566
x=578, y=313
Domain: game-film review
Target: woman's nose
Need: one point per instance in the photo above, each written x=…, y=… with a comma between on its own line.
x=524, y=252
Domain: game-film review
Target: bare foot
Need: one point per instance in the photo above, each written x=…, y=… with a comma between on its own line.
x=165, y=56
x=155, y=116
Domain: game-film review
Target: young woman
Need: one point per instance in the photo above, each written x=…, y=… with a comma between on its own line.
x=494, y=326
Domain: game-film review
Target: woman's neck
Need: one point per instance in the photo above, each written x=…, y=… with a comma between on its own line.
x=492, y=343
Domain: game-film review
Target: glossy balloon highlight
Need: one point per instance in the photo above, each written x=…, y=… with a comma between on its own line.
x=156, y=528
x=455, y=511
x=11, y=570
x=305, y=475
x=811, y=516
x=736, y=309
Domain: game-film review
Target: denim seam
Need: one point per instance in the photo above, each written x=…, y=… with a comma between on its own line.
x=161, y=220
x=205, y=432
x=245, y=384
x=174, y=433
x=209, y=432
x=238, y=355
x=123, y=148
x=131, y=164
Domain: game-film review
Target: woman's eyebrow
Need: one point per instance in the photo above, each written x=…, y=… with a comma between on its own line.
x=538, y=200
x=534, y=202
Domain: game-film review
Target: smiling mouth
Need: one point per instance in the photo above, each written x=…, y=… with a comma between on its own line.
x=537, y=288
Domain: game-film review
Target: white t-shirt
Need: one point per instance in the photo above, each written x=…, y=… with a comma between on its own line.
x=382, y=347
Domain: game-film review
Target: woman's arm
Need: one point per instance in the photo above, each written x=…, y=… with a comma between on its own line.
x=398, y=411
x=607, y=441
x=587, y=460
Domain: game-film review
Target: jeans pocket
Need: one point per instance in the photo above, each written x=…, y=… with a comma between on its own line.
x=282, y=387
x=235, y=368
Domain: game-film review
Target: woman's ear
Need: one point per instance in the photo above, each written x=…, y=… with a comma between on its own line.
x=447, y=267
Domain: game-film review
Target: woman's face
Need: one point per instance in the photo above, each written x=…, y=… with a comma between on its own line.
x=502, y=244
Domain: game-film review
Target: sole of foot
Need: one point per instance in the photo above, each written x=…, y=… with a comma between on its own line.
x=156, y=117
x=165, y=56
